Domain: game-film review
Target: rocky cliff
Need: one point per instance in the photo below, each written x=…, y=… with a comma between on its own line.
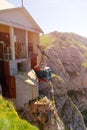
x=42, y=113
x=67, y=54
x=63, y=99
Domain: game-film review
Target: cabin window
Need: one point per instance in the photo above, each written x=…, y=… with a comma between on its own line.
x=21, y=67
x=20, y=43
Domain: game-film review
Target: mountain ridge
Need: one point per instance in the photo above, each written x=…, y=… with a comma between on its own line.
x=62, y=36
x=67, y=54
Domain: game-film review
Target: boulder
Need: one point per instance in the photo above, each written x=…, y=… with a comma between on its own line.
x=43, y=114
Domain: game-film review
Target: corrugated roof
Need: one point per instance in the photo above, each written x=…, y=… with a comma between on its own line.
x=4, y=4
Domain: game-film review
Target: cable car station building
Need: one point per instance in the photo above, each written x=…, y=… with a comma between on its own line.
x=19, y=37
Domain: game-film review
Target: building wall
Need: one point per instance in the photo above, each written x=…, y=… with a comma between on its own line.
x=4, y=28
x=33, y=41
x=24, y=92
x=4, y=41
x=13, y=68
x=33, y=38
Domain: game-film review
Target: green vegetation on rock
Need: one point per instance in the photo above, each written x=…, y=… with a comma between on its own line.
x=9, y=119
x=46, y=40
x=84, y=64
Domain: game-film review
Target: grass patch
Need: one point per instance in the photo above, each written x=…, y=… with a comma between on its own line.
x=46, y=40
x=72, y=46
x=83, y=47
x=9, y=119
x=58, y=77
x=84, y=64
x=78, y=73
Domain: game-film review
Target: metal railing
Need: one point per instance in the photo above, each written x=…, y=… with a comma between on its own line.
x=7, y=53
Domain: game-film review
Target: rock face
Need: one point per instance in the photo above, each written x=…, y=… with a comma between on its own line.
x=68, y=61
x=66, y=109
x=63, y=99
x=69, y=113
x=43, y=114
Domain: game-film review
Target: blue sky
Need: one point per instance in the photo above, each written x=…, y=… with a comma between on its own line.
x=58, y=15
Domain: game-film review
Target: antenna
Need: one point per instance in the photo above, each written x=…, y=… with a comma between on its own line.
x=22, y=3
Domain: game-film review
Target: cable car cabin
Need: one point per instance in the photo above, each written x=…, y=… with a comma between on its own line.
x=43, y=73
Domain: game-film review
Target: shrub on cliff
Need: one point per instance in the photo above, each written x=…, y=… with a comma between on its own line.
x=9, y=119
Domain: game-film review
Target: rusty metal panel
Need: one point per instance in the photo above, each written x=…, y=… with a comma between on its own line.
x=10, y=81
x=1, y=51
x=33, y=62
x=6, y=68
x=6, y=78
x=12, y=87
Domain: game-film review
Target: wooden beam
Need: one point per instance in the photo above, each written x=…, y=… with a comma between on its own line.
x=26, y=44
x=12, y=43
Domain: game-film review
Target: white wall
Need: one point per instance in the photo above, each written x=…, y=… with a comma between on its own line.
x=26, y=90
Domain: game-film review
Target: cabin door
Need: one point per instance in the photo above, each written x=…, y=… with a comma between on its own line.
x=31, y=55
x=7, y=82
x=5, y=90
